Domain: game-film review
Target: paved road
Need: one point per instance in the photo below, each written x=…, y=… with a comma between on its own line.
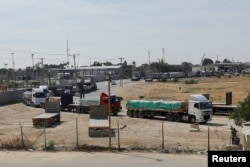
x=75, y=159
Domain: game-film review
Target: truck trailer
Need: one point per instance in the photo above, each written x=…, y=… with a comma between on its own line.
x=197, y=110
x=50, y=116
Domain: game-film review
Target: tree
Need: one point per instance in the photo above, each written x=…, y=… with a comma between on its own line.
x=186, y=67
x=226, y=61
x=96, y=63
x=217, y=62
x=242, y=112
x=107, y=63
x=207, y=61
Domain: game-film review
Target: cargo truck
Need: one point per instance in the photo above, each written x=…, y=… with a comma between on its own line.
x=115, y=103
x=197, y=110
x=34, y=97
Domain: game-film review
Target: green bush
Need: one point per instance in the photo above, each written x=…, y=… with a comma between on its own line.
x=191, y=81
x=51, y=146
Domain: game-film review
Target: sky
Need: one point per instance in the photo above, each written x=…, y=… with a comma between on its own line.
x=140, y=31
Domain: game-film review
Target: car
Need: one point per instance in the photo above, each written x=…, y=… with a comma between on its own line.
x=113, y=83
x=134, y=78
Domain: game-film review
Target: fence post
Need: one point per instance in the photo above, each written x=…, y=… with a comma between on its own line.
x=208, y=140
x=118, y=135
x=77, y=144
x=163, y=147
x=45, y=143
x=22, y=135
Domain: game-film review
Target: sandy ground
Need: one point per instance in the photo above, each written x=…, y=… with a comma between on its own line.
x=134, y=133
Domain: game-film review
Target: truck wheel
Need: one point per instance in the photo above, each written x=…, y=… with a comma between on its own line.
x=152, y=114
x=214, y=111
x=140, y=114
x=135, y=114
x=192, y=119
x=177, y=117
x=169, y=117
x=62, y=108
x=129, y=113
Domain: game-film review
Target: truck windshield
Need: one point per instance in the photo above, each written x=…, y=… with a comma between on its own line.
x=39, y=95
x=114, y=100
x=205, y=105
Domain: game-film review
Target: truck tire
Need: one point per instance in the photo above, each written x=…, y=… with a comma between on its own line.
x=62, y=108
x=177, y=117
x=192, y=119
x=129, y=113
x=169, y=117
x=135, y=114
x=140, y=114
x=152, y=114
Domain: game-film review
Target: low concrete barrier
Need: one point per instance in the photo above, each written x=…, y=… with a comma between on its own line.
x=11, y=96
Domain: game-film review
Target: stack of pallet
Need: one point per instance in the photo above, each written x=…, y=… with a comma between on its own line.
x=98, y=121
x=50, y=117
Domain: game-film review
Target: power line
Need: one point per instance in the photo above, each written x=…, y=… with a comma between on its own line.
x=23, y=51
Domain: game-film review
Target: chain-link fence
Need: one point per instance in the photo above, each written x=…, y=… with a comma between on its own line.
x=128, y=133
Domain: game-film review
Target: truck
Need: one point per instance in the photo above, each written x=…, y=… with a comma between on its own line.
x=34, y=97
x=50, y=117
x=198, y=109
x=115, y=103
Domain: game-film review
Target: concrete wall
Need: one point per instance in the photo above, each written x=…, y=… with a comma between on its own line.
x=11, y=97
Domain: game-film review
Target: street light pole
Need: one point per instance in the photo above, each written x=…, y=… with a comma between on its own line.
x=74, y=57
x=109, y=79
x=13, y=67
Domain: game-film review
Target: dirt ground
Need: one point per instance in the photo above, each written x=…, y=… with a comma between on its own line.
x=134, y=133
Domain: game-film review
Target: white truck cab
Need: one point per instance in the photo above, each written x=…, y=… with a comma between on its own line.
x=38, y=96
x=199, y=109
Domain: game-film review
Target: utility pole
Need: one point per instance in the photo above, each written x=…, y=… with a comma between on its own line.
x=202, y=59
x=74, y=57
x=6, y=73
x=32, y=56
x=13, y=63
x=42, y=68
x=121, y=72
x=149, y=58
x=109, y=110
x=13, y=67
x=33, y=67
x=163, y=53
x=67, y=52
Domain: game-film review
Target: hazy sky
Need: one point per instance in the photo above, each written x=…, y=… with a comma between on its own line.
x=106, y=30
